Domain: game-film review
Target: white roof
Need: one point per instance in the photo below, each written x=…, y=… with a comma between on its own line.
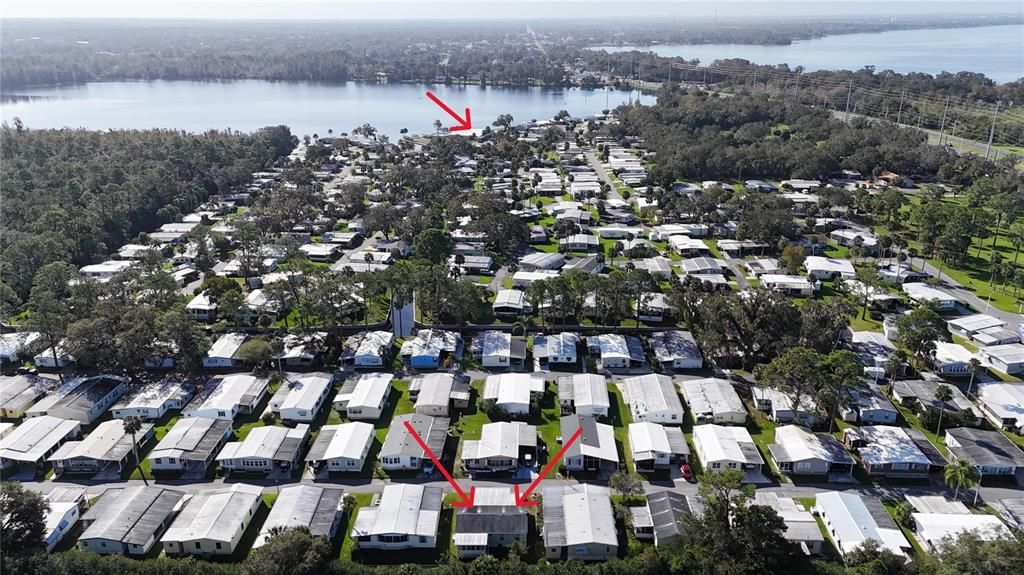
x=228, y=392
x=854, y=523
x=719, y=443
x=369, y=391
x=494, y=343
x=946, y=352
x=890, y=444
x=651, y=393
x=588, y=389
x=801, y=444
x=786, y=280
x=647, y=439
x=711, y=395
x=935, y=527
x=266, y=442
x=578, y=515
x=101, y=443
x=302, y=391
x=153, y=395
x=829, y=264
x=510, y=298
x=348, y=440
x=35, y=437
x=201, y=301
x=1007, y=353
x=402, y=508
x=500, y=439
x=434, y=389
x=512, y=388
x=1004, y=400
x=214, y=515
x=227, y=345
x=919, y=291
x=975, y=322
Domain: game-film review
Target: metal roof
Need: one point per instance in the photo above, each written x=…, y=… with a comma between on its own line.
x=308, y=506
x=301, y=391
x=983, y=447
x=512, y=388
x=719, y=443
x=216, y=515
x=226, y=392
x=646, y=440
x=711, y=396
x=192, y=439
x=35, y=437
x=794, y=443
x=133, y=515
x=154, y=395
x=597, y=439
x=651, y=393
x=673, y=345
x=500, y=439
x=343, y=441
x=578, y=514
x=107, y=442
x=368, y=390
x=272, y=442
x=584, y=389
x=432, y=430
x=402, y=509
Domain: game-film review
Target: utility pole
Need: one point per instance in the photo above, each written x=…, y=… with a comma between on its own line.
x=992, y=130
x=849, y=95
x=942, y=126
x=899, y=113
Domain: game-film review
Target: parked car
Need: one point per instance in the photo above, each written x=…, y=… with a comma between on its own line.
x=686, y=472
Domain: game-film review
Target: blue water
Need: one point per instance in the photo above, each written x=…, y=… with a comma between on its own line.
x=996, y=51
x=307, y=107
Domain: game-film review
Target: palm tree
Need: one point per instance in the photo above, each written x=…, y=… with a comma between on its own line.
x=960, y=473
x=132, y=425
x=943, y=394
x=972, y=366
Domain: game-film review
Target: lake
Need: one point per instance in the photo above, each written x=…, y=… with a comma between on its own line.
x=996, y=51
x=306, y=107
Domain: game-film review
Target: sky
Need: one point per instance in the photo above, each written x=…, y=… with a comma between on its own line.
x=486, y=9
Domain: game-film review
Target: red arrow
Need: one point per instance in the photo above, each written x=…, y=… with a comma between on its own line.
x=467, y=500
x=466, y=124
x=524, y=499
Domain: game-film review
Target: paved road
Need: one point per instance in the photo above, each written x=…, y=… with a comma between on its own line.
x=602, y=174
x=967, y=295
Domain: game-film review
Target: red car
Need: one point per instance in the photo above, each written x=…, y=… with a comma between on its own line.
x=686, y=472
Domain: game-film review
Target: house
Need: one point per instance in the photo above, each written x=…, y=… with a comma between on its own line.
x=894, y=452
x=258, y=303
x=83, y=399
x=342, y=447
x=367, y=349
x=523, y=279
x=595, y=450
x=556, y=349
x=653, y=398
x=15, y=347
x=1003, y=404
x=900, y=273
x=701, y=266
x=323, y=252
x=227, y=396
x=190, y=445
x=364, y=397
x=494, y=521
x=579, y=523
x=431, y=348
x=656, y=446
x=693, y=248
x=583, y=394
x=318, y=509
x=868, y=406
x=503, y=446
x=405, y=517
x=130, y=520
x=54, y=357
x=996, y=336
x=873, y=349
x=939, y=529
x=778, y=406
x=791, y=285
x=991, y=452
x=676, y=349
x=1011, y=509
x=951, y=359
x=32, y=442
x=654, y=307
x=713, y=400
x=761, y=266
x=201, y=308
x=106, y=447
x=922, y=293
x=401, y=451
x=105, y=270
x=661, y=519
x=300, y=396
x=302, y=350
x=801, y=526
x=579, y=243
x=919, y=394
x=265, y=449
x=20, y=392
x=828, y=269
x=617, y=351
x=65, y=509
x=151, y=401
x=510, y=303
x=1008, y=358
x=851, y=237
x=541, y=261
x=224, y=352
x=435, y=394
x=213, y=521
x=494, y=348
x=472, y=264
x=798, y=451
x=720, y=447
x=967, y=326
x=513, y=393
x=851, y=519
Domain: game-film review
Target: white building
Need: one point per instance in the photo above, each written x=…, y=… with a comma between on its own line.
x=150, y=402
x=938, y=529
x=791, y=285
x=106, y=445
x=318, y=509
x=514, y=393
x=341, y=448
x=579, y=523
x=201, y=308
x=556, y=349
x=128, y=521
x=851, y=520
x=676, y=349
x=951, y=359
x=653, y=398
x=719, y=448
x=364, y=397
x=594, y=450
x=497, y=349
x=617, y=351
x=83, y=400
x=66, y=505
x=301, y=396
x=192, y=443
x=502, y=446
x=779, y=406
x=401, y=451
x=227, y=396
x=213, y=521
x=922, y=293
x=435, y=394
x=264, y=449
x=1008, y=358
x=1003, y=404
x=35, y=440
x=584, y=394
x=826, y=269
x=223, y=352
x=405, y=517
x=713, y=400
x=656, y=446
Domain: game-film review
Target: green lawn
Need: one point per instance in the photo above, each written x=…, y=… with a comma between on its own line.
x=620, y=418
x=348, y=544
x=890, y=506
x=548, y=421
x=762, y=431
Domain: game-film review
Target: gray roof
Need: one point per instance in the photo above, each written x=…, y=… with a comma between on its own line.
x=578, y=514
x=924, y=392
x=133, y=515
x=667, y=510
x=492, y=519
x=674, y=344
x=308, y=506
x=597, y=439
x=982, y=447
x=192, y=439
x=432, y=430
x=1012, y=510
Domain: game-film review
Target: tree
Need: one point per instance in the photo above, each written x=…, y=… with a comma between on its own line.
x=627, y=484
x=133, y=425
x=903, y=514
x=257, y=351
x=754, y=327
x=433, y=245
x=823, y=323
x=973, y=365
x=870, y=558
x=289, y=551
x=920, y=329
x=943, y=393
x=793, y=256
x=50, y=304
x=22, y=518
x=796, y=373
x=503, y=121
x=960, y=473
